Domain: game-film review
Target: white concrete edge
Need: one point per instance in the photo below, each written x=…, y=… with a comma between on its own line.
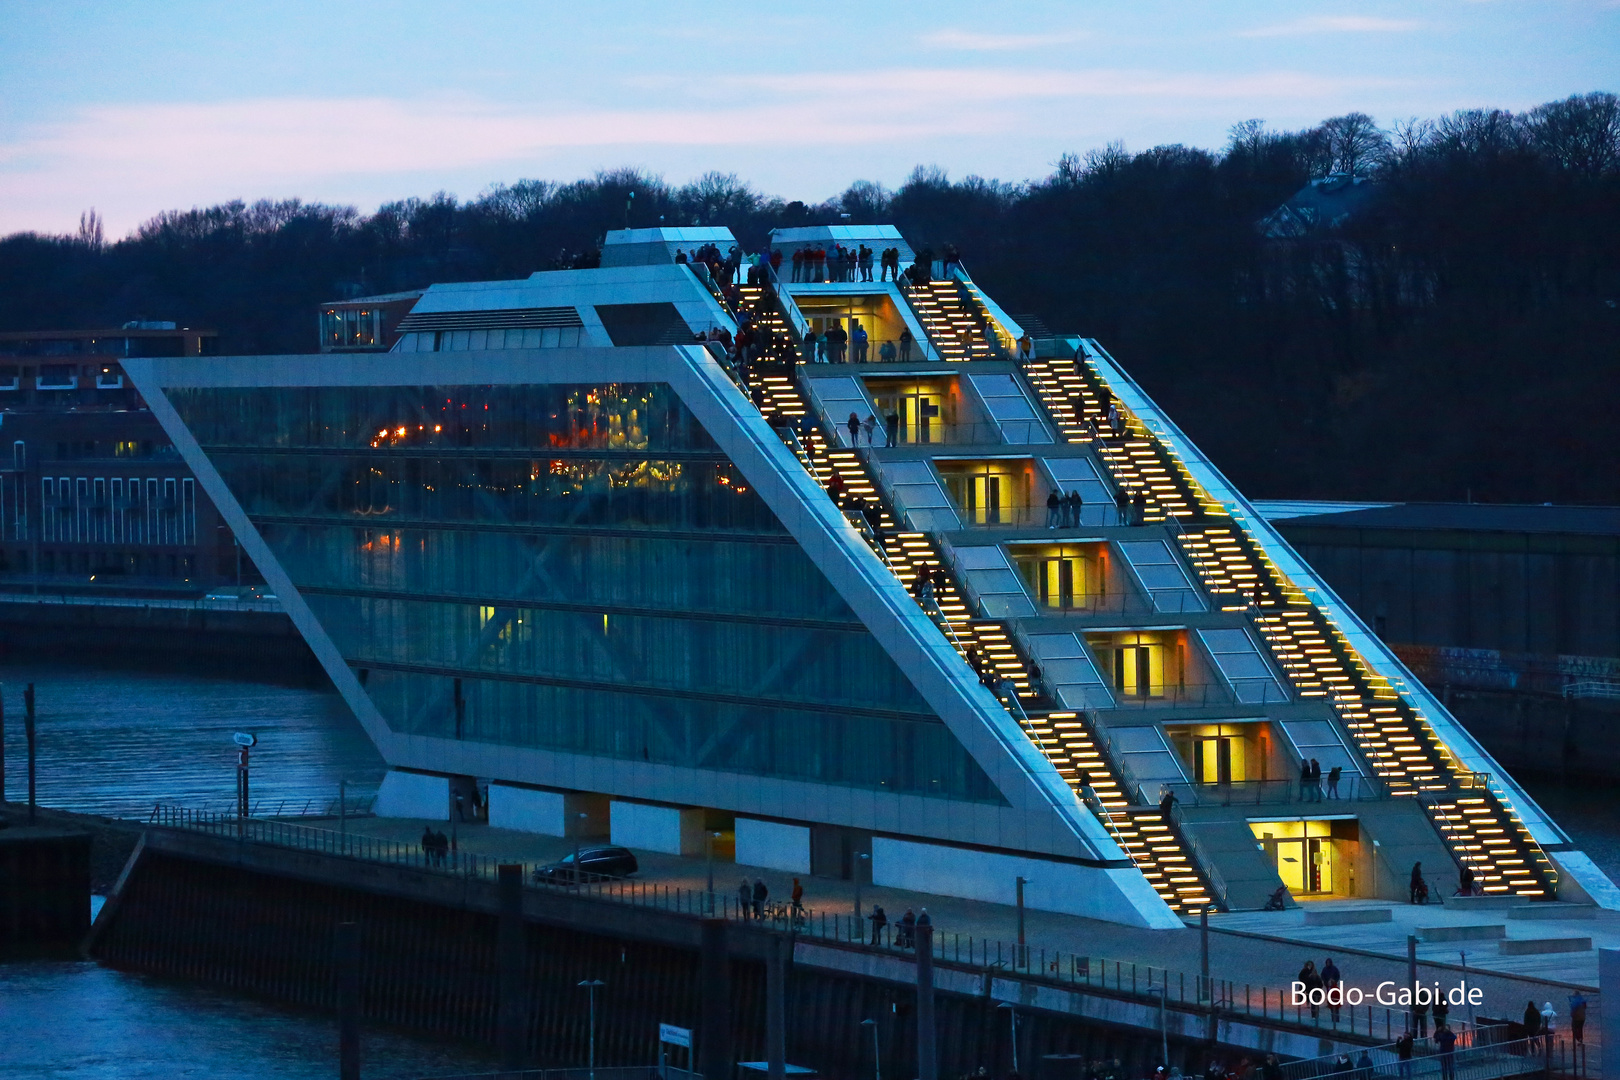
x=146, y=376
x=1577, y=868
x=1374, y=652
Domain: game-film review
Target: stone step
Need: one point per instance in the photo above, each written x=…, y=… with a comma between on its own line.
x=1315, y=916
x=1461, y=933
x=1533, y=946
x=1553, y=911
x=1484, y=903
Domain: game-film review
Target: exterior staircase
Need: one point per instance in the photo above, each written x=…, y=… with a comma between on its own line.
x=1153, y=843
x=1400, y=745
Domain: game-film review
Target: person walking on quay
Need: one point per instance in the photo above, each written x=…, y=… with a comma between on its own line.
x=1577, y=1018
x=1403, y=1054
x=760, y=893
x=1419, y=888
x=1054, y=506
x=908, y=930
x=1331, y=978
x=905, y=346
x=745, y=898
x=1446, y=1041
x=879, y=921
x=1311, y=980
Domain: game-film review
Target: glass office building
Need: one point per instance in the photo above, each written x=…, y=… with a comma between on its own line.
x=629, y=550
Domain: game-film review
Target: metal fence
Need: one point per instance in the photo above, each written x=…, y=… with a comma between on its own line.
x=1185, y=990
x=1477, y=1056
x=624, y=1072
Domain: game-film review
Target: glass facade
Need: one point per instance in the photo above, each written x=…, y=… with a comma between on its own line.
x=574, y=568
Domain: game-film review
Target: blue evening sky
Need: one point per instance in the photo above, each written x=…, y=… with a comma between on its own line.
x=134, y=108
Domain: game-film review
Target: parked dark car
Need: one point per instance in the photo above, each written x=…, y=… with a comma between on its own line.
x=595, y=864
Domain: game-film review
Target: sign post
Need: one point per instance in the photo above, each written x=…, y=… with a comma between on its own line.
x=670, y=1035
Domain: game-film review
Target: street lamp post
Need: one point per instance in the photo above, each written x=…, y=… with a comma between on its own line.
x=860, y=871
x=1023, y=950
x=709, y=840
x=591, y=986
x=877, y=1059
x=1012, y=1028
x=1164, y=1031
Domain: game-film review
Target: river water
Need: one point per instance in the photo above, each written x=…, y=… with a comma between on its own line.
x=117, y=740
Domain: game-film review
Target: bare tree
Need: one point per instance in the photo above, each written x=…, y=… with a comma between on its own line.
x=1355, y=142
x=1580, y=133
x=90, y=234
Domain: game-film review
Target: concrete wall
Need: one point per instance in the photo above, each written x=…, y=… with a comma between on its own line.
x=668, y=829
x=547, y=813
x=773, y=845
x=1097, y=893
x=527, y=810
x=414, y=795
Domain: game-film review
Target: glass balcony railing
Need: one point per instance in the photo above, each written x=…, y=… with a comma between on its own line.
x=1262, y=792
x=979, y=433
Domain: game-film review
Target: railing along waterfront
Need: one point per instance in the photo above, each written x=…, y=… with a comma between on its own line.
x=1482, y=1053
x=1225, y=998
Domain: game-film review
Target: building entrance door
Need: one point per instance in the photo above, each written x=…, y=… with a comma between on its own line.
x=1214, y=759
x=1311, y=856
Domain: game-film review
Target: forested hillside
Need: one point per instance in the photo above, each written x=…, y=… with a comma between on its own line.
x=1455, y=336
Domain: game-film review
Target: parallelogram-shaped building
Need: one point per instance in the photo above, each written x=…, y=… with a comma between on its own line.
x=799, y=593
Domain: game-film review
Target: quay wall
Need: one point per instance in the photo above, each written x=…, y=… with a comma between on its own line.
x=260, y=920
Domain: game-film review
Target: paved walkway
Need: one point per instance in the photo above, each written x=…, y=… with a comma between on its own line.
x=1251, y=963
x=1389, y=938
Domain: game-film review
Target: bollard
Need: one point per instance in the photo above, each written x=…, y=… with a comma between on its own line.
x=509, y=1033
x=775, y=1010
x=347, y=957
x=927, y=1044
x=714, y=1029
